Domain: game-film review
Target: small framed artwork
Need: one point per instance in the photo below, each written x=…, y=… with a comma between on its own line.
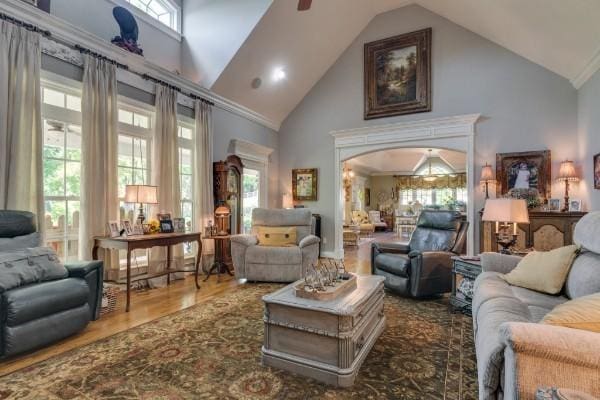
x=179, y=225
x=554, y=205
x=126, y=225
x=597, y=171
x=398, y=75
x=166, y=226
x=305, y=184
x=163, y=216
x=524, y=173
x=575, y=205
x=113, y=228
x=138, y=229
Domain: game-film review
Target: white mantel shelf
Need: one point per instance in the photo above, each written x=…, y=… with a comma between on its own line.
x=65, y=32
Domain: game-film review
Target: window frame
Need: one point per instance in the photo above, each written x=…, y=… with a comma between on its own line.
x=183, y=143
x=174, y=32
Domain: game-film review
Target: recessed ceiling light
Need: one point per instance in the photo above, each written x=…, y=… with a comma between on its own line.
x=256, y=83
x=278, y=74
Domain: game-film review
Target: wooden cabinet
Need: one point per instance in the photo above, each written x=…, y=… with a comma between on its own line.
x=546, y=231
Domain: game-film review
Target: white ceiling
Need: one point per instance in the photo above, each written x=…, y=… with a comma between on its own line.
x=405, y=161
x=561, y=35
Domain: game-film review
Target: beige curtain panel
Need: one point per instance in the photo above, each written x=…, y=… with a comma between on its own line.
x=99, y=138
x=165, y=175
x=203, y=165
x=21, y=136
x=453, y=181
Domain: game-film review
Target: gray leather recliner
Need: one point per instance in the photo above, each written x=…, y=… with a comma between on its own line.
x=423, y=267
x=37, y=314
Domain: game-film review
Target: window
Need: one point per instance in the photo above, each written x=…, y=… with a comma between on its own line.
x=61, y=167
x=250, y=196
x=161, y=10
x=185, y=132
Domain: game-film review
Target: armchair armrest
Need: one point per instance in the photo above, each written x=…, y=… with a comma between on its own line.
x=244, y=240
x=397, y=248
x=93, y=274
x=546, y=355
x=308, y=240
x=496, y=262
x=431, y=272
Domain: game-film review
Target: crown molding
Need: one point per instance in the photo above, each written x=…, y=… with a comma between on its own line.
x=588, y=71
x=250, y=151
x=69, y=34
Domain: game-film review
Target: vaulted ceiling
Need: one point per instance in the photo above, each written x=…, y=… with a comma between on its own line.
x=562, y=36
x=406, y=161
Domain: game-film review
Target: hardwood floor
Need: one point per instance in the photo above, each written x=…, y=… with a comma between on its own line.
x=148, y=305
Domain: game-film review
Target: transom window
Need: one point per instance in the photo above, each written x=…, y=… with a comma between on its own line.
x=161, y=10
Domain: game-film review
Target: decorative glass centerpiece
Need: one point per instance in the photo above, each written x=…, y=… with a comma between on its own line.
x=326, y=279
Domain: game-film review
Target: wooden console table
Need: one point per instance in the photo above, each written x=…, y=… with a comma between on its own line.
x=145, y=242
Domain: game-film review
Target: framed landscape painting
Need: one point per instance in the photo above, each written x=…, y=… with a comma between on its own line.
x=398, y=75
x=527, y=172
x=305, y=184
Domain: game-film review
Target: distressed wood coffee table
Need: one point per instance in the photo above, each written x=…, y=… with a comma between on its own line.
x=324, y=340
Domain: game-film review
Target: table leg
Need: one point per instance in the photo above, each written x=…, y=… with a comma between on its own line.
x=95, y=252
x=168, y=265
x=198, y=259
x=128, y=280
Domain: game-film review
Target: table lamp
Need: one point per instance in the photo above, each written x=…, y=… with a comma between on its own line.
x=506, y=212
x=221, y=214
x=567, y=174
x=487, y=176
x=142, y=194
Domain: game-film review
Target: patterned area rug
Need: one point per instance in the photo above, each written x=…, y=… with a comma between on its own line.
x=213, y=352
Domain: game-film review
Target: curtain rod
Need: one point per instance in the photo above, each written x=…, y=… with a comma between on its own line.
x=85, y=50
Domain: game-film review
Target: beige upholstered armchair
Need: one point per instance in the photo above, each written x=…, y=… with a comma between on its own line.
x=275, y=264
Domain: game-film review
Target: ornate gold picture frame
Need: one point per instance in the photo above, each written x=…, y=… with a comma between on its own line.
x=305, y=184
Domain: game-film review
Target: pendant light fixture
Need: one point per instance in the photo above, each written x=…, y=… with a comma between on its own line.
x=429, y=177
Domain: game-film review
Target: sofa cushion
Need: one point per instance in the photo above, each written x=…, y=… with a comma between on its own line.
x=16, y=223
x=278, y=236
x=21, y=242
x=396, y=264
x=581, y=313
x=25, y=266
x=301, y=218
x=273, y=255
x=544, y=271
x=584, y=277
x=35, y=301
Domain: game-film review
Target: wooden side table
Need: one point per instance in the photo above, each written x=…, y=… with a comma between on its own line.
x=222, y=243
x=145, y=242
x=467, y=269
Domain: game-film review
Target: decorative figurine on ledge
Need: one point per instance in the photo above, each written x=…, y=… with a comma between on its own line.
x=129, y=31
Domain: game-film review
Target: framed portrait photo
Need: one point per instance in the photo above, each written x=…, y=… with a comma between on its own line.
x=166, y=226
x=554, y=204
x=398, y=75
x=305, y=184
x=179, y=225
x=597, y=171
x=113, y=229
x=526, y=172
x=575, y=205
x=126, y=225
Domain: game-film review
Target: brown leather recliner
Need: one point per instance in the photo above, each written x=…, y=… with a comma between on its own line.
x=423, y=267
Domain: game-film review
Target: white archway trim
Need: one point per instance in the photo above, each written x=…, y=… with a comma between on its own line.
x=255, y=156
x=456, y=132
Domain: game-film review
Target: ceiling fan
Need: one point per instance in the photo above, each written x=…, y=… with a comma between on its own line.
x=304, y=5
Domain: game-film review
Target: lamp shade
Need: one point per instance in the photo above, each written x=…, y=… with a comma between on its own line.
x=487, y=174
x=141, y=194
x=287, y=201
x=567, y=172
x=506, y=210
x=222, y=211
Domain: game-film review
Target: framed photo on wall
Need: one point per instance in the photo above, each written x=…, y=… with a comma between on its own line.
x=305, y=184
x=527, y=171
x=367, y=197
x=597, y=171
x=398, y=75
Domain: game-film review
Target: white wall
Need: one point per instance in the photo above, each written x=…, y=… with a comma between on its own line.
x=589, y=138
x=95, y=16
x=523, y=105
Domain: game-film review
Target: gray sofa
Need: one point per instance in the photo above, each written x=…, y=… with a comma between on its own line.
x=41, y=301
x=515, y=353
x=275, y=264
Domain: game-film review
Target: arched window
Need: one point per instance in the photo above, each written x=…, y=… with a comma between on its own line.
x=161, y=10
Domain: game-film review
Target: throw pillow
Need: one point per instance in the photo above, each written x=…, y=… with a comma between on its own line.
x=543, y=271
x=279, y=236
x=25, y=266
x=581, y=313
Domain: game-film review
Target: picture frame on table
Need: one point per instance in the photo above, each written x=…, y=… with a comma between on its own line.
x=166, y=226
x=163, y=216
x=575, y=205
x=554, y=204
x=126, y=225
x=179, y=225
x=138, y=229
x=113, y=229
x=305, y=184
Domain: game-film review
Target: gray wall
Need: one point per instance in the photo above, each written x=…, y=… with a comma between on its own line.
x=95, y=16
x=524, y=106
x=589, y=138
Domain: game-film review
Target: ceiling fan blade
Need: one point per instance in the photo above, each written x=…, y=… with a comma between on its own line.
x=304, y=5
